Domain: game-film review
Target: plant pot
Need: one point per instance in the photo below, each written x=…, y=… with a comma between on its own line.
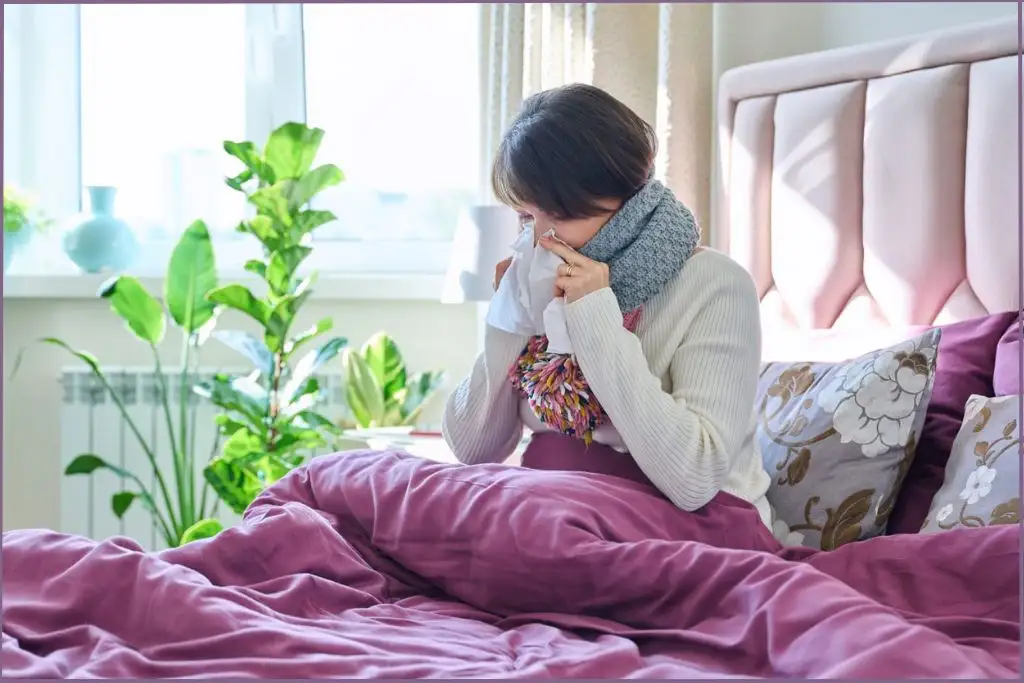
x=15, y=242
x=101, y=242
x=374, y=438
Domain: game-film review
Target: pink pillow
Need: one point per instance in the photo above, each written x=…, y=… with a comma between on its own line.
x=1006, y=376
x=967, y=352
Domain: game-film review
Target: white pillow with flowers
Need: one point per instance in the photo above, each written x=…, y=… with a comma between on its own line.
x=982, y=483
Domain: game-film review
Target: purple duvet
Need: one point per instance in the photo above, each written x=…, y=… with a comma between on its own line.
x=387, y=566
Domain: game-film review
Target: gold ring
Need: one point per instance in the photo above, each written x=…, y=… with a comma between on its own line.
x=568, y=271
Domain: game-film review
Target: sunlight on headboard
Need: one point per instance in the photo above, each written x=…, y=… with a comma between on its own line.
x=874, y=189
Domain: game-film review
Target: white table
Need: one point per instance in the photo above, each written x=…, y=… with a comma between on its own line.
x=428, y=445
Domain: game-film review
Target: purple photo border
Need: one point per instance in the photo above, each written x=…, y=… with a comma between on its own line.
x=1020, y=248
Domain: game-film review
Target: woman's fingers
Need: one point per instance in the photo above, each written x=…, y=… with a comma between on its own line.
x=562, y=284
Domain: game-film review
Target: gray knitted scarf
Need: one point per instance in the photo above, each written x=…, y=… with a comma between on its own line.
x=645, y=244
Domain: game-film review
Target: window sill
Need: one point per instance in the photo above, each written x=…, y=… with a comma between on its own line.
x=328, y=287
x=346, y=271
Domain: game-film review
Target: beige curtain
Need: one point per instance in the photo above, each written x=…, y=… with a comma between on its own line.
x=654, y=57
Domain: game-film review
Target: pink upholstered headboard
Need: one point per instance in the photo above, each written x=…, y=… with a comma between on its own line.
x=873, y=189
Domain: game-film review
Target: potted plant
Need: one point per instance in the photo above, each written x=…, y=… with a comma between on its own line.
x=269, y=422
x=384, y=400
x=21, y=219
x=177, y=500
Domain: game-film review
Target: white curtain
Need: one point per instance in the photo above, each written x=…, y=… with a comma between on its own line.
x=656, y=58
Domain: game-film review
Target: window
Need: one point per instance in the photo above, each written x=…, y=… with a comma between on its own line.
x=396, y=88
x=155, y=113
x=142, y=97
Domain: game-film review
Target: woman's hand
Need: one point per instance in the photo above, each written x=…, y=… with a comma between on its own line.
x=578, y=276
x=499, y=271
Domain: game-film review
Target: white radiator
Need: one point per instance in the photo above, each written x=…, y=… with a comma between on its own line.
x=91, y=423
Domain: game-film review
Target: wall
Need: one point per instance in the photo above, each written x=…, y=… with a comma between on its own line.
x=754, y=32
x=431, y=334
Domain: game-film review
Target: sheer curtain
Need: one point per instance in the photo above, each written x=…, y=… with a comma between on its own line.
x=654, y=57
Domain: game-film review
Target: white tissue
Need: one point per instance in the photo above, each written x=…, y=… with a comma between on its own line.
x=525, y=302
x=556, y=328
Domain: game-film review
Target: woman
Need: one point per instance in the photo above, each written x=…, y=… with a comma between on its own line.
x=665, y=334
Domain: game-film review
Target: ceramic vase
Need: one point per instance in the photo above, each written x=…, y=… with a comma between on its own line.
x=101, y=242
x=15, y=242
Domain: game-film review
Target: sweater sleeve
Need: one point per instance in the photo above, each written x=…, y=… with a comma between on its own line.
x=683, y=441
x=481, y=417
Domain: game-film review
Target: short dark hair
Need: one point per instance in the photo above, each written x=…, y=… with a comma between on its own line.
x=571, y=147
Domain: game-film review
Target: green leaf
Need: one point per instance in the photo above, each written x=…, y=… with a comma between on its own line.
x=138, y=308
x=121, y=501
x=242, y=447
x=294, y=439
x=83, y=356
x=242, y=300
x=291, y=149
x=228, y=425
x=238, y=395
x=385, y=362
x=317, y=180
x=262, y=228
x=191, y=275
x=362, y=391
x=273, y=203
x=87, y=463
x=310, y=386
x=309, y=220
x=321, y=326
x=283, y=315
x=420, y=388
x=257, y=267
x=234, y=484
x=310, y=363
x=238, y=181
x=282, y=267
x=204, y=528
x=393, y=411
x=249, y=346
x=247, y=153
x=315, y=420
x=272, y=467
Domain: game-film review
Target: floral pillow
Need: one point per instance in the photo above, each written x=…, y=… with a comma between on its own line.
x=838, y=438
x=982, y=484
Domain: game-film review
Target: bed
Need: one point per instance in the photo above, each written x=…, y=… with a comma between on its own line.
x=872, y=194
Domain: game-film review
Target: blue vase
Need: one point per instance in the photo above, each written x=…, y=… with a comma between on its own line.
x=101, y=242
x=15, y=242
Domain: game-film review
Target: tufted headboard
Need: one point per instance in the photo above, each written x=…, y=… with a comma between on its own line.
x=873, y=189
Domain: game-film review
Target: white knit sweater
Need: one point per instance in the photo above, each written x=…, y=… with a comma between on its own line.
x=680, y=392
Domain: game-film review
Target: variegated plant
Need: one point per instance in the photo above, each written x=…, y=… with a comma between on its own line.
x=379, y=390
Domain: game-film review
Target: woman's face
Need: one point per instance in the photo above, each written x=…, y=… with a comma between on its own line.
x=574, y=232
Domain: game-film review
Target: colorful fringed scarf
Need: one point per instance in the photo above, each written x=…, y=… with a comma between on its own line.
x=556, y=390
x=645, y=244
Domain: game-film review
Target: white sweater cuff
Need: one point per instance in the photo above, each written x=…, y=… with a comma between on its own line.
x=593, y=321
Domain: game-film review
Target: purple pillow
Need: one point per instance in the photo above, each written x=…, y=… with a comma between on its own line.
x=1006, y=376
x=967, y=352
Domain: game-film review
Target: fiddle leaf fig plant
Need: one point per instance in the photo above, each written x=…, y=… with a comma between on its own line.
x=269, y=420
x=176, y=500
x=379, y=390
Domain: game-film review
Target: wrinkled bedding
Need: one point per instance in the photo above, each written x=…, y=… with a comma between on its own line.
x=383, y=565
